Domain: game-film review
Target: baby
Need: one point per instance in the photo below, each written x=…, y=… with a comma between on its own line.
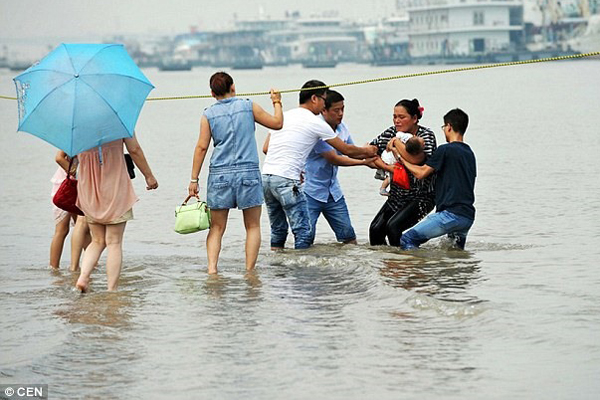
x=413, y=144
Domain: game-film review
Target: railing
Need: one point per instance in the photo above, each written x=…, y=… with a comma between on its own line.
x=450, y=3
x=446, y=28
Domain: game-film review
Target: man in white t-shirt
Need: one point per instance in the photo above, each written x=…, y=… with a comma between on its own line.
x=288, y=150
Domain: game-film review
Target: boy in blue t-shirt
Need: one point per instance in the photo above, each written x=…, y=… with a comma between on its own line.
x=455, y=166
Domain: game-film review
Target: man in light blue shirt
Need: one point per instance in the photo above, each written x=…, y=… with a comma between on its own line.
x=323, y=192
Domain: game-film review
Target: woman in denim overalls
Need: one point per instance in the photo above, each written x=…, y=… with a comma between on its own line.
x=234, y=177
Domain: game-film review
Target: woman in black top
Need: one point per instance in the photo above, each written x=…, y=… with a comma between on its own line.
x=404, y=207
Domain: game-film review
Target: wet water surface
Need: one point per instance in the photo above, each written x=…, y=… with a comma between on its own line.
x=517, y=315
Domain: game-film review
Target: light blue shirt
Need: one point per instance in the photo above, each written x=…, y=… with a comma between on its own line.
x=321, y=176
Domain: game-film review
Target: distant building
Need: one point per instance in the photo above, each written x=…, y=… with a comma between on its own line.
x=388, y=41
x=464, y=28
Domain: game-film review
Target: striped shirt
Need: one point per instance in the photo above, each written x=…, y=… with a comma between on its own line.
x=420, y=189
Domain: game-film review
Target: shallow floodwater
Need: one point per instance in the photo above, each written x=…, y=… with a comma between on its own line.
x=517, y=315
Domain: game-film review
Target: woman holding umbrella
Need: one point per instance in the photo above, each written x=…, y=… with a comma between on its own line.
x=106, y=197
x=84, y=98
x=234, y=178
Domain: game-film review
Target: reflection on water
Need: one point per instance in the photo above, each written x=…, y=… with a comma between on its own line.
x=322, y=314
x=109, y=309
x=442, y=275
x=218, y=286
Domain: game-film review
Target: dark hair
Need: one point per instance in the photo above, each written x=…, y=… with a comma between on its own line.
x=305, y=95
x=220, y=83
x=412, y=107
x=413, y=146
x=458, y=120
x=332, y=97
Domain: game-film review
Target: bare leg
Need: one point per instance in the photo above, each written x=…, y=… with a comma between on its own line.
x=114, y=258
x=252, y=224
x=79, y=240
x=58, y=241
x=385, y=183
x=218, y=224
x=384, y=186
x=91, y=255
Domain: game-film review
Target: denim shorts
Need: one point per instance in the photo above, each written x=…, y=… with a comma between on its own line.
x=229, y=187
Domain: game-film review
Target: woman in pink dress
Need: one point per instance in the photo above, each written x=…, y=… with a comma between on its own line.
x=106, y=197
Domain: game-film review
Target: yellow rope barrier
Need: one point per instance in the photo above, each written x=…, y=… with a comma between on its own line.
x=388, y=78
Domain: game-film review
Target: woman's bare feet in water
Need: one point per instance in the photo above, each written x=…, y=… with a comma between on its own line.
x=82, y=284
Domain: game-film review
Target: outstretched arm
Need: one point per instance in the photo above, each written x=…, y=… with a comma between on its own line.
x=334, y=158
x=419, y=171
x=200, y=154
x=267, y=120
x=352, y=150
x=380, y=164
x=138, y=157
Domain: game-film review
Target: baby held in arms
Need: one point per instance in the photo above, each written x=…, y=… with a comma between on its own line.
x=413, y=145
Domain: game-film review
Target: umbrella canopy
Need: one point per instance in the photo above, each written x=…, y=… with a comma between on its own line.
x=81, y=95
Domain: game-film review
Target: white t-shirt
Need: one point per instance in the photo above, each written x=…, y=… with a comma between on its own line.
x=290, y=146
x=387, y=156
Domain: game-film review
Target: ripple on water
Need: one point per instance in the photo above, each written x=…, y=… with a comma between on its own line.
x=300, y=312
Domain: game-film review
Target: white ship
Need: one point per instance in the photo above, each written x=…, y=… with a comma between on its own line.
x=464, y=29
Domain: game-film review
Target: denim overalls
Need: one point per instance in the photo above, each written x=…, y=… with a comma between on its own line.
x=234, y=176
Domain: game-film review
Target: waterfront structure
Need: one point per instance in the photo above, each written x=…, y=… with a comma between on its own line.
x=388, y=41
x=313, y=42
x=273, y=52
x=238, y=49
x=464, y=30
x=566, y=25
x=319, y=41
x=589, y=40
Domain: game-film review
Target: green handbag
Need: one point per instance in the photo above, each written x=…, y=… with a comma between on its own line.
x=190, y=218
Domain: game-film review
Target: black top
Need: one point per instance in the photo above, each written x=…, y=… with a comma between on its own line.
x=456, y=169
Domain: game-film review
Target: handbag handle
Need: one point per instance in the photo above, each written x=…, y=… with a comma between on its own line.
x=189, y=197
x=69, y=169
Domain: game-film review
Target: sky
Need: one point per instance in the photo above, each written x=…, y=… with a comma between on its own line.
x=24, y=19
x=38, y=25
x=38, y=18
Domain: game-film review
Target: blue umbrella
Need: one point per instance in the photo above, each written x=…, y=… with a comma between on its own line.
x=81, y=95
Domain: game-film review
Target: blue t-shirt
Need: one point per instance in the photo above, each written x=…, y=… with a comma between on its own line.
x=456, y=169
x=321, y=176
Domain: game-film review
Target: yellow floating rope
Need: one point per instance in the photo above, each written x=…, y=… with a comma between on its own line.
x=388, y=78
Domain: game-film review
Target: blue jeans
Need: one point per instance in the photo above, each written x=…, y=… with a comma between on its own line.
x=336, y=214
x=285, y=202
x=435, y=225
